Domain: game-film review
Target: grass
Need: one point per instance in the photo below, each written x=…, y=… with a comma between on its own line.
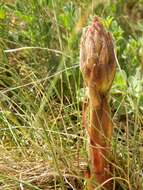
x=42, y=142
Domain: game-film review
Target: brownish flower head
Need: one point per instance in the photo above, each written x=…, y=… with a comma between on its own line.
x=97, y=58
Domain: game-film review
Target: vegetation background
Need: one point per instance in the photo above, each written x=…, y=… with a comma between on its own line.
x=42, y=142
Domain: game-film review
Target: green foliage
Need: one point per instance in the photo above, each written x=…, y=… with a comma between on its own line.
x=43, y=144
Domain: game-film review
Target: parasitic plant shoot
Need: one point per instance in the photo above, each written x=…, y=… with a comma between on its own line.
x=98, y=66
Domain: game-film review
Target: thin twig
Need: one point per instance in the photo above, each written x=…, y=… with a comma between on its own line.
x=41, y=48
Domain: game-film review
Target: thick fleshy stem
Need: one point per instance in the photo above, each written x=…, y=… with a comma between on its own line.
x=98, y=66
x=100, y=133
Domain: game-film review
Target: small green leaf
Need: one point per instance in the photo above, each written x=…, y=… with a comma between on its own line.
x=120, y=81
x=2, y=14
